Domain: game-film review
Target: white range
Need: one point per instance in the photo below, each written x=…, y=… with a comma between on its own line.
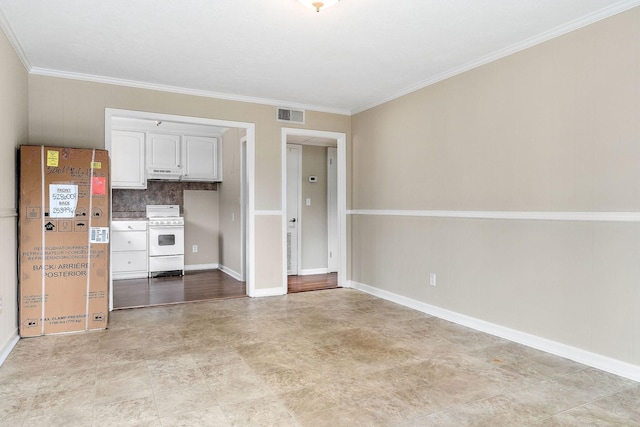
x=166, y=240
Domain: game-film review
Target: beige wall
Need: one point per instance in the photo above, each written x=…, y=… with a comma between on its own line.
x=201, y=227
x=314, y=217
x=230, y=209
x=13, y=132
x=71, y=113
x=552, y=128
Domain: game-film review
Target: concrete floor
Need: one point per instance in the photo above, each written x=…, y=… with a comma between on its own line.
x=326, y=358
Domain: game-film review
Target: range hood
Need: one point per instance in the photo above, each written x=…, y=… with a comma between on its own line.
x=167, y=174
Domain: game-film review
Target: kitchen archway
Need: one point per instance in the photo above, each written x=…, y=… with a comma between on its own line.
x=244, y=134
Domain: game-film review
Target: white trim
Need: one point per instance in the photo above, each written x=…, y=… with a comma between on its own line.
x=341, y=139
x=268, y=213
x=230, y=272
x=332, y=208
x=601, y=14
x=507, y=215
x=243, y=207
x=283, y=204
x=13, y=40
x=312, y=271
x=268, y=292
x=588, y=358
x=342, y=211
x=576, y=24
x=181, y=90
x=9, y=346
x=8, y=213
x=250, y=226
x=200, y=267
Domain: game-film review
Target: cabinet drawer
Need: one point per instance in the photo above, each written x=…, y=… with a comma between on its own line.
x=128, y=225
x=129, y=261
x=129, y=241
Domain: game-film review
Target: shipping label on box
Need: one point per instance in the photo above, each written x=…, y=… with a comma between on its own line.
x=63, y=240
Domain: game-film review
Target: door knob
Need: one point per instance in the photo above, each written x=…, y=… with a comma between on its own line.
x=293, y=220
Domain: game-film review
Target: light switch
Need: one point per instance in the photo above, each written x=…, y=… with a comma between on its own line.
x=308, y=201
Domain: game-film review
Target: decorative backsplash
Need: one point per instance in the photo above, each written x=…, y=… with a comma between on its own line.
x=132, y=203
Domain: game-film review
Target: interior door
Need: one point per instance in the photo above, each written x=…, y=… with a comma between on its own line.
x=294, y=187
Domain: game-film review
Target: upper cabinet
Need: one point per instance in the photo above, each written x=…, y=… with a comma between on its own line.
x=127, y=159
x=164, y=156
x=139, y=153
x=200, y=159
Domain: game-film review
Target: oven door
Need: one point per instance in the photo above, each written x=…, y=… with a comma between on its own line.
x=166, y=240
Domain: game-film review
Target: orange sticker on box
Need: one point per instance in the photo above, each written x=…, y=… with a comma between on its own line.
x=52, y=158
x=98, y=185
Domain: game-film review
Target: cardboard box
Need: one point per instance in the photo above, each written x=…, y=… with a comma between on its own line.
x=63, y=240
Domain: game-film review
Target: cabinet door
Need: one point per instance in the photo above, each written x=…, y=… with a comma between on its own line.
x=200, y=155
x=128, y=262
x=127, y=159
x=163, y=151
x=129, y=241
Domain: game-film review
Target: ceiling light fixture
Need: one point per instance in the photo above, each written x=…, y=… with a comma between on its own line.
x=317, y=5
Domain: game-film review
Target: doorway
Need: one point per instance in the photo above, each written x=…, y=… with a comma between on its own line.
x=320, y=205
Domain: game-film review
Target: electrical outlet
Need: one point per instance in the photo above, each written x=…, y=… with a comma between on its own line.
x=194, y=249
x=432, y=279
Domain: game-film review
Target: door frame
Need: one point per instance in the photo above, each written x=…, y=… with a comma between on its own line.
x=249, y=242
x=341, y=139
x=244, y=268
x=298, y=253
x=332, y=190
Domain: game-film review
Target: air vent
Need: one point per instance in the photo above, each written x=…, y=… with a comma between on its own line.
x=291, y=116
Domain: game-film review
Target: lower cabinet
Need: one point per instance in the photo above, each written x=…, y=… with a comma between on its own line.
x=129, y=254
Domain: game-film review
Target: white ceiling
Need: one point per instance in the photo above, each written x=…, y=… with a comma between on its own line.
x=353, y=56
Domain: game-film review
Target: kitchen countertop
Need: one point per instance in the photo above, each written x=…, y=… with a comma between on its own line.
x=128, y=216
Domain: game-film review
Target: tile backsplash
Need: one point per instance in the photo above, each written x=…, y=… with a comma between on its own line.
x=132, y=203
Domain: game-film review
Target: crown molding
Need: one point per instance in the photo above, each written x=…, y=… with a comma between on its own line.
x=13, y=40
x=181, y=90
x=576, y=24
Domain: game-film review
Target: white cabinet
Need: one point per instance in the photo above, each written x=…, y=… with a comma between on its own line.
x=163, y=156
x=200, y=159
x=129, y=254
x=138, y=156
x=127, y=159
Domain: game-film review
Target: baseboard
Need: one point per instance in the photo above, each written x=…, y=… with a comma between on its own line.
x=312, y=271
x=268, y=292
x=588, y=358
x=11, y=343
x=196, y=267
x=230, y=272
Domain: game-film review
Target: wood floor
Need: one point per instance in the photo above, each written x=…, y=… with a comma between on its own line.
x=312, y=283
x=193, y=286
x=200, y=286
